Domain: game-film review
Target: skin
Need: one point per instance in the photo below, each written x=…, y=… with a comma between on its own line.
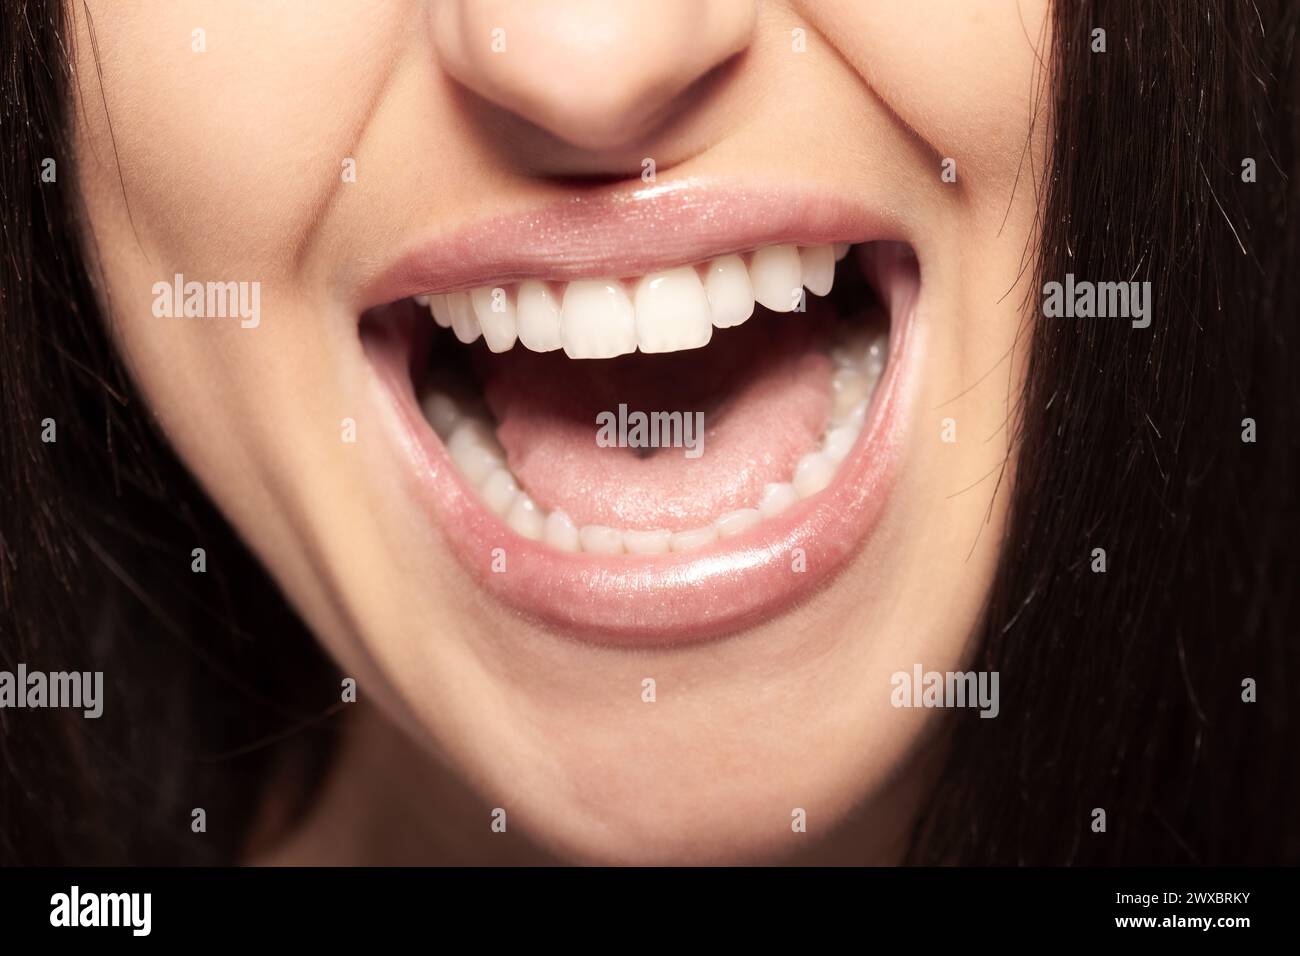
x=230, y=160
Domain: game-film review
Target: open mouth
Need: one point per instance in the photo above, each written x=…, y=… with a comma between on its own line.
x=658, y=457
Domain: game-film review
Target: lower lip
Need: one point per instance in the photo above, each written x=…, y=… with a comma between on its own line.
x=675, y=598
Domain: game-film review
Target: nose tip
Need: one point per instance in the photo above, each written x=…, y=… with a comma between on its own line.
x=595, y=73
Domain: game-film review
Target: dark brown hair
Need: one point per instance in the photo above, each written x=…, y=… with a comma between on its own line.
x=1120, y=691
x=1123, y=690
x=205, y=674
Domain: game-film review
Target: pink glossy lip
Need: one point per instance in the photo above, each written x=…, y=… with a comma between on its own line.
x=619, y=232
x=675, y=598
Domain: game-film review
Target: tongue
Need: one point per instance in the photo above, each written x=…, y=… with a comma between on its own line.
x=764, y=391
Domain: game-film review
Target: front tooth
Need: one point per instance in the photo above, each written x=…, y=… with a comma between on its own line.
x=441, y=314
x=598, y=539
x=776, y=498
x=695, y=538
x=730, y=294
x=463, y=322
x=474, y=450
x=561, y=533
x=498, y=491
x=672, y=312
x=597, y=320
x=422, y=301
x=496, y=317
x=734, y=522
x=841, y=250
x=647, y=542
x=526, y=518
x=818, y=265
x=813, y=473
x=538, y=317
x=777, y=277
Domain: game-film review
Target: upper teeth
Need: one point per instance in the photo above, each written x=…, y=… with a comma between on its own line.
x=661, y=312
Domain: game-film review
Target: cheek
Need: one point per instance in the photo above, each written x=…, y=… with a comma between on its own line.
x=229, y=122
x=225, y=127
x=963, y=75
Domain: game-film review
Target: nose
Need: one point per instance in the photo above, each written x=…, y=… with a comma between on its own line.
x=595, y=73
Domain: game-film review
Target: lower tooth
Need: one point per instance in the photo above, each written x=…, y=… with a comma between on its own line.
x=848, y=387
x=813, y=473
x=561, y=533
x=472, y=445
x=695, y=538
x=526, y=518
x=839, y=442
x=499, y=491
x=876, y=359
x=442, y=412
x=474, y=451
x=855, y=417
x=777, y=496
x=852, y=348
x=734, y=522
x=598, y=539
x=647, y=542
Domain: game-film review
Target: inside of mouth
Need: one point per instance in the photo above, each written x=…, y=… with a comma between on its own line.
x=667, y=451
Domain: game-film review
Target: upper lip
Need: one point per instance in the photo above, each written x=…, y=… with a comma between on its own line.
x=621, y=231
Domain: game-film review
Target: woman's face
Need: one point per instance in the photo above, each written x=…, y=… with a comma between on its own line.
x=642, y=643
